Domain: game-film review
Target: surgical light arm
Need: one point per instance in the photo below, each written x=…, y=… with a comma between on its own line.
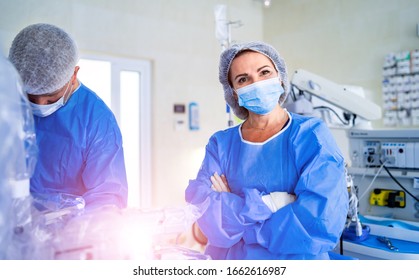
x=336, y=94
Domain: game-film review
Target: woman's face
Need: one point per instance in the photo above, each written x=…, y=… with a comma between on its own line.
x=249, y=67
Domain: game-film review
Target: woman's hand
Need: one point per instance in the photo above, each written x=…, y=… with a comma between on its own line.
x=277, y=200
x=219, y=183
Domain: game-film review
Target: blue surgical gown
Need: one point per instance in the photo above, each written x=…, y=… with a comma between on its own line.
x=81, y=153
x=302, y=159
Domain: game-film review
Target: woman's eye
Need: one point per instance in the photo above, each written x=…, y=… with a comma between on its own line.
x=241, y=80
x=266, y=72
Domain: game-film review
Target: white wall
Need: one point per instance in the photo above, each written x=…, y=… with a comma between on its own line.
x=178, y=37
x=344, y=41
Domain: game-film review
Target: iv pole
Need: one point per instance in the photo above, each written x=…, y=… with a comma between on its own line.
x=223, y=34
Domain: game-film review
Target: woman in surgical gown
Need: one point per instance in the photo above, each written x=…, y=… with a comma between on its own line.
x=274, y=186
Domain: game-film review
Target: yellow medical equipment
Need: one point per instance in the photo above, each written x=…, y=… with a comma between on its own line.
x=389, y=198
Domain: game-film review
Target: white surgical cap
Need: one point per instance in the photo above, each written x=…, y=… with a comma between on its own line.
x=45, y=57
x=227, y=57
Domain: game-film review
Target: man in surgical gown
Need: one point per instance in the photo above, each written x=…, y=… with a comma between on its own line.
x=301, y=161
x=80, y=143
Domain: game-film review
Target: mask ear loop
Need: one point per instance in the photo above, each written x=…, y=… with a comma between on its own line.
x=65, y=100
x=235, y=94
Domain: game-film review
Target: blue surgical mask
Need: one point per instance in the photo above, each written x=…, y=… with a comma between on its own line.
x=46, y=110
x=260, y=97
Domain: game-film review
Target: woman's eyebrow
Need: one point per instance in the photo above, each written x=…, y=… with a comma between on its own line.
x=240, y=75
x=260, y=68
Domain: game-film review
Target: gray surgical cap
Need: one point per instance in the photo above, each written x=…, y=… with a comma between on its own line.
x=227, y=57
x=45, y=57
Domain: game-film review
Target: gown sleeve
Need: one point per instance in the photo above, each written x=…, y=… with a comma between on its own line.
x=225, y=216
x=314, y=222
x=104, y=174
